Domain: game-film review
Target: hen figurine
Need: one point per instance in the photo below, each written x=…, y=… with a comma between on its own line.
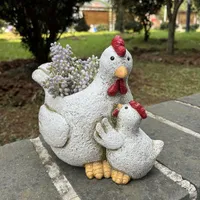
x=68, y=123
x=130, y=152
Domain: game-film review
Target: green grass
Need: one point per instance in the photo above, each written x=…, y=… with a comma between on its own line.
x=86, y=44
x=154, y=81
x=83, y=44
x=183, y=40
x=157, y=82
x=10, y=50
x=11, y=47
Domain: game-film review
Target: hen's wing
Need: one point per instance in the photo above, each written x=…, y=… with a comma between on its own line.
x=107, y=136
x=53, y=127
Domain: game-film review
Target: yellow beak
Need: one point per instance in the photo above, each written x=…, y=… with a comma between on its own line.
x=121, y=72
x=119, y=106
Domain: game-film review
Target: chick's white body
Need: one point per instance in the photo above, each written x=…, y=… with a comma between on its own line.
x=67, y=124
x=136, y=157
x=136, y=152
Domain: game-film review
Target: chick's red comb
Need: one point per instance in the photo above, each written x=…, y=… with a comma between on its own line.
x=140, y=109
x=118, y=45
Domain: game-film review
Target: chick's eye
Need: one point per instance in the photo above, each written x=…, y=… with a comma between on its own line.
x=112, y=58
x=128, y=58
x=126, y=107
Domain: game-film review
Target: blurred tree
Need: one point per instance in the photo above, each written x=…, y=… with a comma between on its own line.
x=143, y=9
x=197, y=4
x=2, y=23
x=172, y=10
x=39, y=22
x=119, y=6
x=139, y=8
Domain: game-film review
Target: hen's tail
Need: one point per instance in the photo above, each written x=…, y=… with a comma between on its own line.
x=157, y=146
x=41, y=74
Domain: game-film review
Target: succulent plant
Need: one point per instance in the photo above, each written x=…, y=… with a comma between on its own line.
x=68, y=74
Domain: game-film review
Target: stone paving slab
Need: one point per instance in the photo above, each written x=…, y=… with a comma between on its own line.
x=155, y=185
x=181, y=152
x=193, y=99
x=183, y=115
x=22, y=176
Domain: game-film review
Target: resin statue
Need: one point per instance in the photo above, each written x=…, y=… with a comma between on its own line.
x=68, y=123
x=129, y=150
x=76, y=101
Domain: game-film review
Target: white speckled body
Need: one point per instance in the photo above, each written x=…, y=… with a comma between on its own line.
x=67, y=124
x=135, y=152
x=136, y=157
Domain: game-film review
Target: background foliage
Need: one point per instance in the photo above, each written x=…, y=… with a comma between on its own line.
x=40, y=22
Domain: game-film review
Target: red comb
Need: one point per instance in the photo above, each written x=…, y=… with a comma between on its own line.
x=140, y=109
x=118, y=45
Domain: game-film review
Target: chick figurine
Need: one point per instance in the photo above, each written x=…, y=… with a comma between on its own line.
x=130, y=152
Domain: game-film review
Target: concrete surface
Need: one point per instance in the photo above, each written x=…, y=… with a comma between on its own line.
x=154, y=186
x=22, y=175
x=24, y=172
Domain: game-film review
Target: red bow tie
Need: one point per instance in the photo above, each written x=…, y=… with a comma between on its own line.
x=118, y=86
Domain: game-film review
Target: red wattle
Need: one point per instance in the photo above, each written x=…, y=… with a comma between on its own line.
x=115, y=113
x=118, y=86
x=113, y=89
x=122, y=87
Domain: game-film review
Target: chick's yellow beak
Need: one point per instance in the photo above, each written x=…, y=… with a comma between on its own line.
x=119, y=106
x=121, y=72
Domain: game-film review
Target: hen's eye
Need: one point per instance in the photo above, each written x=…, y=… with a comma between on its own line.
x=126, y=107
x=112, y=58
x=128, y=58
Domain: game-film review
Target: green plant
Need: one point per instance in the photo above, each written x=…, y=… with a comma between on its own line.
x=2, y=25
x=194, y=27
x=102, y=27
x=133, y=25
x=164, y=26
x=82, y=26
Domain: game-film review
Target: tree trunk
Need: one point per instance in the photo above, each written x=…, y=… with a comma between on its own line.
x=146, y=33
x=120, y=17
x=171, y=35
x=147, y=26
x=172, y=10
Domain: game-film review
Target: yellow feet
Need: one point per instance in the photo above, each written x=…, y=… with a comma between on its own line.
x=101, y=169
x=94, y=169
x=120, y=178
x=107, y=169
x=98, y=170
x=89, y=170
